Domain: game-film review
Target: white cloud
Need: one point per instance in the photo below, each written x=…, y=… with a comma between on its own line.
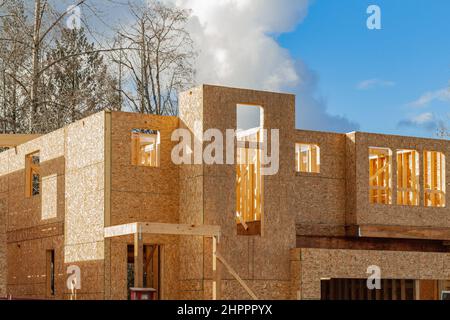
x=372, y=83
x=430, y=96
x=426, y=120
x=237, y=48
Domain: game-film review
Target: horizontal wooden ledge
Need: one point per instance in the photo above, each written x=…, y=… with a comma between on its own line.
x=162, y=228
x=399, y=232
x=13, y=140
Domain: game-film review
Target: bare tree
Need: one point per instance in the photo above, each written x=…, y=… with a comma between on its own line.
x=158, y=59
x=36, y=63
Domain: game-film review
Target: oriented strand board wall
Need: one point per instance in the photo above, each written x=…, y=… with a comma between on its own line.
x=3, y=252
x=310, y=265
x=191, y=200
x=26, y=231
x=318, y=199
x=380, y=214
x=84, y=218
x=143, y=194
x=262, y=261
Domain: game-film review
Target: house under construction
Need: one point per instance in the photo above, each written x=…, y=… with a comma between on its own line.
x=105, y=195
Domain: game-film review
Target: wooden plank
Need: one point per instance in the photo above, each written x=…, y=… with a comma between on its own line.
x=120, y=230
x=237, y=277
x=13, y=140
x=402, y=289
x=385, y=231
x=216, y=284
x=180, y=229
x=162, y=228
x=138, y=260
x=394, y=290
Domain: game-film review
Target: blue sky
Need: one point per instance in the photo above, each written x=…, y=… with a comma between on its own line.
x=375, y=77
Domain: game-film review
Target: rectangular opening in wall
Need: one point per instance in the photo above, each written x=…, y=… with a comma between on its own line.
x=50, y=272
x=151, y=268
x=249, y=181
x=145, y=147
x=307, y=158
x=380, y=175
x=408, y=177
x=356, y=289
x=32, y=174
x=434, y=178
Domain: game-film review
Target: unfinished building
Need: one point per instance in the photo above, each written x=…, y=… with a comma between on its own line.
x=103, y=194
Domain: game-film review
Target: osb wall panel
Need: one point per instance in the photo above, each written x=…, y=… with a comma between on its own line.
x=169, y=265
x=394, y=214
x=84, y=181
x=191, y=199
x=310, y=265
x=350, y=175
x=140, y=193
x=27, y=265
x=92, y=280
x=19, y=215
x=318, y=199
x=3, y=256
x=265, y=258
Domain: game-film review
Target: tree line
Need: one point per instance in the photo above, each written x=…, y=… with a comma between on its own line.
x=53, y=73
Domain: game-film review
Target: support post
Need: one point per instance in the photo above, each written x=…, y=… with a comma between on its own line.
x=216, y=267
x=138, y=259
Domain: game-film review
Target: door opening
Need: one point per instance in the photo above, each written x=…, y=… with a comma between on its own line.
x=152, y=266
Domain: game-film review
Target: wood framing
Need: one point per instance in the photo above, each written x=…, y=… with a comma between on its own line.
x=162, y=228
x=399, y=232
x=13, y=140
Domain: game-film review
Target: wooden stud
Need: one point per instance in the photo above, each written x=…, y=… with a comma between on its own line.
x=236, y=276
x=138, y=260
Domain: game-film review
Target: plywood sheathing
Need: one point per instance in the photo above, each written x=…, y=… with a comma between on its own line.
x=254, y=258
x=317, y=199
x=379, y=214
x=27, y=267
x=3, y=250
x=310, y=265
x=191, y=201
x=22, y=225
x=84, y=217
x=144, y=194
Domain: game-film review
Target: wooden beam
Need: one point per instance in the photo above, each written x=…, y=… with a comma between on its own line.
x=399, y=232
x=162, y=228
x=216, y=284
x=13, y=140
x=121, y=230
x=236, y=276
x=138, y=260
x=180, y=229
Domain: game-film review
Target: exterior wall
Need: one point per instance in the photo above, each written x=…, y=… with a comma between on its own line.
x=33, y=226
x=85, y=194
x=263, y=261
x=142, y=194
x=310, y=265
x=318, y=200
x=191, y=201
x=3, y=250
x=379, y=214
x=67, y=215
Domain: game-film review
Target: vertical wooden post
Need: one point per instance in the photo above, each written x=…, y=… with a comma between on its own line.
x=138, y=259
x=216, y=267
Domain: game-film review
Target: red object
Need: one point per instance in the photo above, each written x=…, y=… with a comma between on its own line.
x=142, y=293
